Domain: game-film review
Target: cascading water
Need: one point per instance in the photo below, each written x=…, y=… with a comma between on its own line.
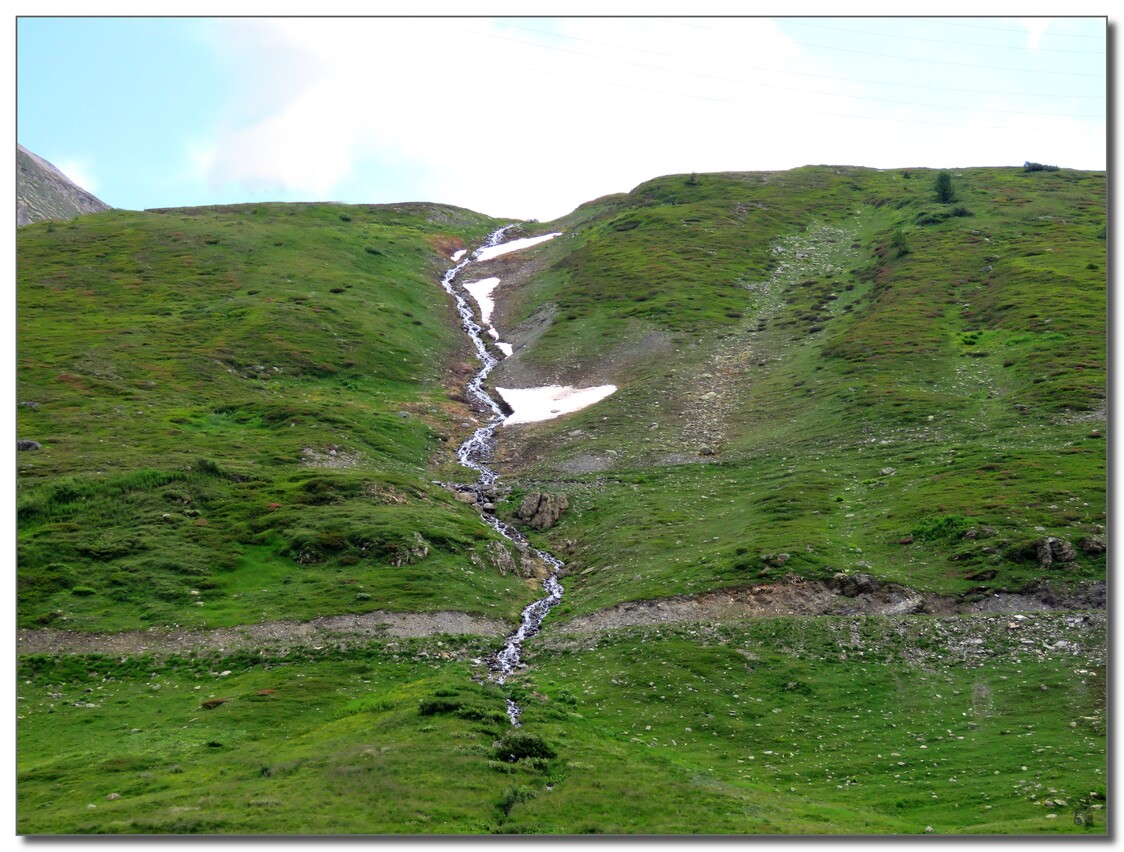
x=473, y=454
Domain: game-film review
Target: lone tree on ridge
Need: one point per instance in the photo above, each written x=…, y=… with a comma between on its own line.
x=945, y=195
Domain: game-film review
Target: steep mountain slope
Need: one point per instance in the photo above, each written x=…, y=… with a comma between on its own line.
x=236, y=411
x=835, y=394
x=43, y=192
x=822, y=371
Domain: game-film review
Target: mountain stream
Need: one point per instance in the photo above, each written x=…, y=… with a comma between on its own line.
x=476, y=452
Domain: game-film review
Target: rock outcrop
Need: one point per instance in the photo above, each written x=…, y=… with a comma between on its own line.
x=1054, y=552
x=540, y=510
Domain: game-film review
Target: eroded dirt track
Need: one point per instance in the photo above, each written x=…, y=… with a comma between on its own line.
x=811, y=598
x=781, y=599
x=329, y=630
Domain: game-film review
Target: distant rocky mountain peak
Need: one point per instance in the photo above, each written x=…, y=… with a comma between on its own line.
x=44, y=192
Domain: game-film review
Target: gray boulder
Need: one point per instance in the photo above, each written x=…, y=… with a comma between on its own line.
x=1053, y=552
x=540, y=510
x=1092, y=545
x=853, y=585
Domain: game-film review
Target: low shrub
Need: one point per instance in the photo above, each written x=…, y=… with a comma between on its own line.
x=518, y=744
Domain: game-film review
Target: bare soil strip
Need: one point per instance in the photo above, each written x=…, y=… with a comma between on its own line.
x=800, y=598
x=811, y=598
x=327, y=630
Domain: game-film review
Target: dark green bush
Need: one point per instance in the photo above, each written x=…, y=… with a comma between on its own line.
x=512, y=796
x=942, y=526
x=434, y=706
x=898, y=241
x=518, y=744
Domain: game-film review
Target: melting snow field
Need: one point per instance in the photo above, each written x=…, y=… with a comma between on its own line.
x=481, y=291
x=457, y=255
x=505, y=348
x=530, y=405
x=514, y=245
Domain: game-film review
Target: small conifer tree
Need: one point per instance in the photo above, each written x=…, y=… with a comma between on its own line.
x=945, y=194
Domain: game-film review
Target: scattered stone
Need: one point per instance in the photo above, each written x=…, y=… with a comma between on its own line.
x=887, y=471
x=29, y=404
x=465, y=496
x=405, y=415
x=775, y=560
x=28, y=445
x=501, y=558
x=113, y=796
x=704, y=450
x=212, y=703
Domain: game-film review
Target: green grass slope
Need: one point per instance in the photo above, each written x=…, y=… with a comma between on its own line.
x=237, y=410
x=826, y=363
x=777, y=726
x=242, y=410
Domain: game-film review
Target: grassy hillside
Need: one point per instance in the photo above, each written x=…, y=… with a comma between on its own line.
x=241, y=413
x=778, y=726
x=830, y=364
x=237, y=410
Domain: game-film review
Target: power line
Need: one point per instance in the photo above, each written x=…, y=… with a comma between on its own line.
x=736, y=102
x=771, y=85
x=833, y=78
x=1030, y=17
x=896, y=36
x=929, y=61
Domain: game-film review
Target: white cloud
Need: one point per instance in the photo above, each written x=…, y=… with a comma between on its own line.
x=80, y=172
x=530, y=117
x=492, y=114
x=1035, y=29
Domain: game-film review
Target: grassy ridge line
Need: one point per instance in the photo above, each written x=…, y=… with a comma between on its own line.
x=943, y=372
x=238, y=410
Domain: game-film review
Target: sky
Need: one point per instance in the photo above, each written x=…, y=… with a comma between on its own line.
x=529, y=117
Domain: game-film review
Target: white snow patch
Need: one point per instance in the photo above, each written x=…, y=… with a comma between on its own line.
x=530, y=405
x=495, y=334
x=457, y=255
x=514, y=245
x=505, y=348
x=481, y=291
